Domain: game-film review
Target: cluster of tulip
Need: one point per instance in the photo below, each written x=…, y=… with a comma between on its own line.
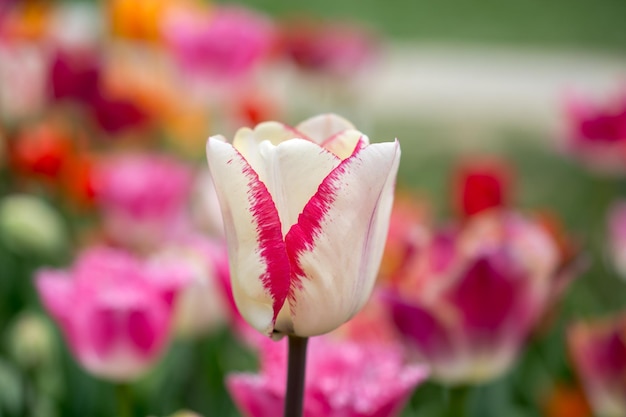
x=289, y=233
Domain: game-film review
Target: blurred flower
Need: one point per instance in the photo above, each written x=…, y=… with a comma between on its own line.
x=29, y=224
x=75, y=74
x=617, y=236
x=225, y=44
x=482, y=184
x=306, y=212
x=335, y=49
x=24, y=20
x=113, y=309
x=75, y=25
x=343, y=379
x=140, y=20
x=22, y=80
x=78, y=179
x=143, y=198
x=115, y=115
x=31, y=341
x=471, y=296
x=598, y=349
x=566, y=401
x=253, y=108
x=41, y=149
x=596, y=133
x=205, y=207
x=372, y=324
x=408, y=231
x=202, y=305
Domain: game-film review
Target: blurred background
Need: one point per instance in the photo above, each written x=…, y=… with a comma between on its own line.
x=500, y=107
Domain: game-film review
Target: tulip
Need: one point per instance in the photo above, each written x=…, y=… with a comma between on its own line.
x=205, y=207
x=471, y=296
x=113, y=309
x=31, y=342
x=74, y=75
x=598, y=349
x=22, y=80
x=202, y=305
x=334, y=49
x=29, y=225
x=345, y=379
x=482, y=184
x=226, y=44
x=295, y=200
x=408, y=229
x=143, y=198
x=596, y=133
x=42, y=150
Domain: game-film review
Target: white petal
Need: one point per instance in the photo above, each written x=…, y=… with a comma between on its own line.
x=258, y=262
x=340, y=257
x=344, y=143
x=322, y=127
x=292, y=172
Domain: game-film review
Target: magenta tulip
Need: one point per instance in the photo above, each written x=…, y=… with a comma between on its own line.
x=114, y=310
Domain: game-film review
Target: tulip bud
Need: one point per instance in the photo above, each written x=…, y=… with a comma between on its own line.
x=29, y=224
x=31, y=341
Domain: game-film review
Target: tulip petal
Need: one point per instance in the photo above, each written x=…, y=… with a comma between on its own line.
x=142, y=331
x=345, y=142
x=321, y=127
x=350, y=210
x=421, y=327
x=260, y=270
x=102, y=331
x=55, y=289
x=255, y=395
x=292, y=173
x=246, y=140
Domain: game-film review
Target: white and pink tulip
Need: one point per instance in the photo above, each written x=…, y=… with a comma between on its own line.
x=306, y=212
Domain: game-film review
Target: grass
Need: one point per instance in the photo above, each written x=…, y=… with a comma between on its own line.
x=577, y=24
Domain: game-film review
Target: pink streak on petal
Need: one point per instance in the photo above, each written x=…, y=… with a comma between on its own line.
x=301, y=236
x=276, y=279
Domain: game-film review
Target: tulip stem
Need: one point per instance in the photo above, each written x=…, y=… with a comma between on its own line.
x=458, y=401
x=124, y=400
x=295, y=376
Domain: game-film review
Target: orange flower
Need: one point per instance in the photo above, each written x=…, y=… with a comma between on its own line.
x=27, y=20
x=141, y=19
x=566, y=401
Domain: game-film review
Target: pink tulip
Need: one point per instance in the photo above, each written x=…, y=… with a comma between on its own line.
x=203, y=304
x=598, y=349
x=343, y=379
x=113, y=309
x=306, y=212
x=226, y=44
x=470, y=296
x=143, y=198
x=596, y=133
x=333, y=49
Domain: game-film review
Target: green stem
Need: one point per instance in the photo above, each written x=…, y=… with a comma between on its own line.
x=295, y=376
x=124, y=399
x=458, y=401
